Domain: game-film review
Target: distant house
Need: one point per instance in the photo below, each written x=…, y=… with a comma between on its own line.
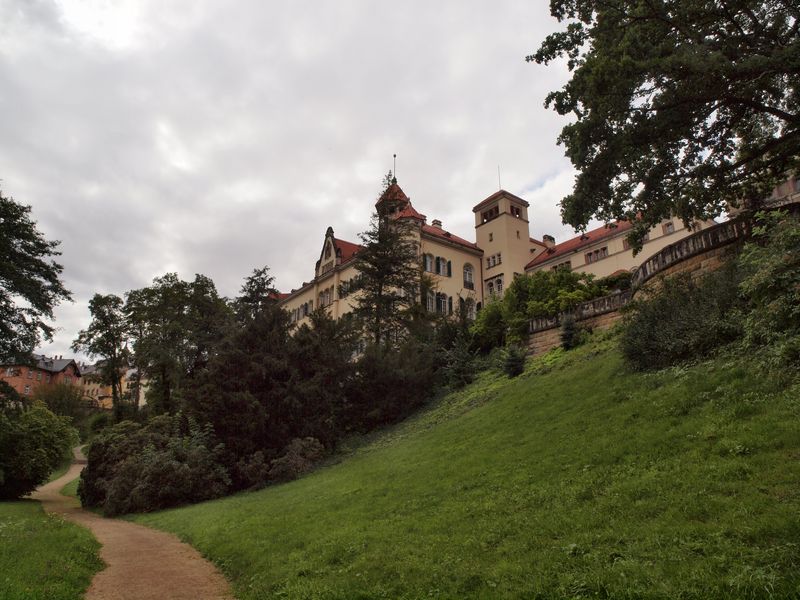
x=44, y=371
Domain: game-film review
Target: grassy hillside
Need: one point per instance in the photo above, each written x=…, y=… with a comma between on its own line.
x=43, y=557
x=578, y=479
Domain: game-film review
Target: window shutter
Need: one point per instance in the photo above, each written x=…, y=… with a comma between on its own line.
x=450, y=305
x=449, y=268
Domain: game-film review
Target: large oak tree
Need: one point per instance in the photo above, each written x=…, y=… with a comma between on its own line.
x=678, y=105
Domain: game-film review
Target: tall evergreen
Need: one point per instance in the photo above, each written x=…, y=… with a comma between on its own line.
x=388, y=286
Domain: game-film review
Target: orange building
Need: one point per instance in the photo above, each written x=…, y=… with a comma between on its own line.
x=44, y=371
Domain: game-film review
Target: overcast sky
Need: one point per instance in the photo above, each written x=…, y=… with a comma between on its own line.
x=216, y=137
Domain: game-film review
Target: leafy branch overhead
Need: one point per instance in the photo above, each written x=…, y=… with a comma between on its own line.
x=679, y=105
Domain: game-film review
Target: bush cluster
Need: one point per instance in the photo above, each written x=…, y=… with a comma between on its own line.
x=33, y=442
x=754, y=298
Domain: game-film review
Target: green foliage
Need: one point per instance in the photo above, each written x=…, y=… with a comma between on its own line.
x=107, y=338
x=771, y=263
x=174, y=325
x=540, y=294
x=584, y=479
x=489, y=329
x=256, y=293
x=298, y=459
x=44, y=557
x=388, y=285
x=513, y=360
x=33, y=442
x=168, y=462
x=460, y=362
x=29, y=283
x=684, y=320
x=677, y=106
x=389, y=385
x=572, y=334
x=66, y=400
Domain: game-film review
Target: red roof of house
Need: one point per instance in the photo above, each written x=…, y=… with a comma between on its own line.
x=581, y=241
x=346, y=249
x=446, y=235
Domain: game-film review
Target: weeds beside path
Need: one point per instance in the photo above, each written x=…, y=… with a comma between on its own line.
x=142, y=563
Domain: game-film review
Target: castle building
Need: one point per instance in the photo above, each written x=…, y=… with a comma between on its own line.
x=467, y=274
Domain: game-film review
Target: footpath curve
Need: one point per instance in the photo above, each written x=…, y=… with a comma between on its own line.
x=142, y=563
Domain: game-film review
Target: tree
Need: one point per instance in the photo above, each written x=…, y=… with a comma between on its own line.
x=29, y=282
x=389, y=273
x=256, y=292
x=174, y=325
x=679, y=105
x=107, y=338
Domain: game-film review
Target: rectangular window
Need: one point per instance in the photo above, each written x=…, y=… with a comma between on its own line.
x=27, y=390
x=566, y=265
x=515, y=211
x=668, y=228
x=490, y=214
x=30, y=373
x=599, y=254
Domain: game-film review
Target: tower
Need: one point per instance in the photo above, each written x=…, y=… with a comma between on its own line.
x=502, y=232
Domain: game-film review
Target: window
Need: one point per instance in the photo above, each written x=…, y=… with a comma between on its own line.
x=599, y=254
x=39, y=376
x=498, y=285
x=668, y=227
x=469, y=281
x=490, y=287
x=27, y=390
x=10, y=371
x=517, y=233
x=30, y=373
x=566, y=265
x=494, y=260
x=430, y=301
x=441, y=304
x=490, y=214
x=427, y=261
x=499, y=258
x=491, y=237
x=516, y=211
x=328, y=250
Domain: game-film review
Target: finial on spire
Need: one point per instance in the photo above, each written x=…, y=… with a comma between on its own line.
x=394, y=169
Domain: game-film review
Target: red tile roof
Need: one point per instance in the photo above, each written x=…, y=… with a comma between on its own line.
x=581, y=241
x=498, y=194
x=346, y=249
x=446, y=235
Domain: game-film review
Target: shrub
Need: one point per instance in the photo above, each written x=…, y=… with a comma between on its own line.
x=33, y=442
x=685, y=319
x=572, y=334
x=771, y=283
x=298, y=459
x=460, y=367
x=513, y=360
x=168, y=462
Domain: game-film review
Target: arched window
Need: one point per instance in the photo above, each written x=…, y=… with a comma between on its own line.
x=490, y=286
x=469, y=274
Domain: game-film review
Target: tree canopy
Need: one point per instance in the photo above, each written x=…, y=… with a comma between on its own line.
x=678, y=105
x=29, y=282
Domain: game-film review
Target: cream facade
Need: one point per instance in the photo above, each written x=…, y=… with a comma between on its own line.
x=605, y=251
x=466, y=274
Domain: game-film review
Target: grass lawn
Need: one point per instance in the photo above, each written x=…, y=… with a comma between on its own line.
x=71, y=489
x=577, y=479
x=43, y=557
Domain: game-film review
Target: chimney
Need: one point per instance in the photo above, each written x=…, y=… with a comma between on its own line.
x=549, y=240
x=437, y=223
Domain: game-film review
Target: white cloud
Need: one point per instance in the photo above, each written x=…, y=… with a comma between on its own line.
x=208, y=137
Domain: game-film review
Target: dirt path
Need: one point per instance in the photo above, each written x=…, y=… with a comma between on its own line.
x=143, y=564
